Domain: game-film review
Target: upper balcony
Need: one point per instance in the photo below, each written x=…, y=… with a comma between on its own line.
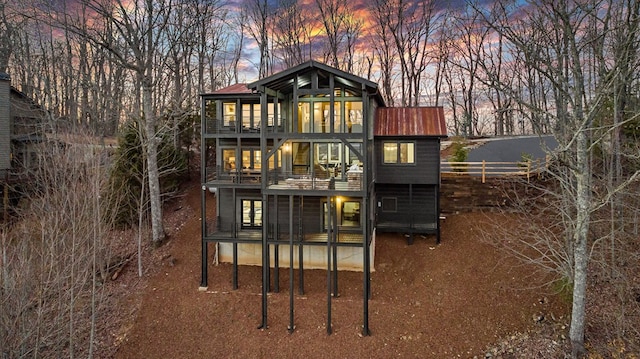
x=215, y=126
x=219, y=175
x=316, y=180
x=351, y=181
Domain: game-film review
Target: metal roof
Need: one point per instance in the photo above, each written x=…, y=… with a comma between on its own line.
x=237, y=89
x=410, y=121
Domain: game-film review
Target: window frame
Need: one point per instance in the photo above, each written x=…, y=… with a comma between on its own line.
x=398, y=152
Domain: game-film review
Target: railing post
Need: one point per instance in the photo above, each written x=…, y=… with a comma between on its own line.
x=484, y=162
x=528, y=169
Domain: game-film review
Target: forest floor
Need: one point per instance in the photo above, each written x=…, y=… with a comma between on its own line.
x=462, y=298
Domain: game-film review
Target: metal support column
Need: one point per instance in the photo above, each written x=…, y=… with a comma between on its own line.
x=329, y=254
x=265, y=270
x=300, y=247
x=334, y=239
x=203, y=223
x=235, y=244
x=411, y=215
x=235, y=265
x=437, y=214
x=276, y=249
x=291, y=326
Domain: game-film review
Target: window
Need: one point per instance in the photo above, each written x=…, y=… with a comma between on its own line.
x=304, y=116
x=301, y=157
x=354, y=117
x=251, y=159
x=328, y=153
x=229, y=114
x=229, y=159
x=251, y=213
x=271, y=114
x=348, y=213
x=398, y=152
x=251, y=115
x=389, y=204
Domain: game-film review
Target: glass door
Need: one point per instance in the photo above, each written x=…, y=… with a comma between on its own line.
x=251, y=213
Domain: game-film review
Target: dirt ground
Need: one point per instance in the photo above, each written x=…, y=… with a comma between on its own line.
x=459, y=299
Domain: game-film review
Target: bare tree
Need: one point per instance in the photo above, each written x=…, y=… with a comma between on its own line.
x=258, y=15
x=554, y=37
x=385, y=52
x=470, y=34
x=139, y=43
x=55, y=256
x=291, y=33
x=341, y=30
x=411, y=29
x=10, y=24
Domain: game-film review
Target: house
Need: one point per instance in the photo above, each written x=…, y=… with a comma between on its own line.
x=302, y=171
x=21, y=131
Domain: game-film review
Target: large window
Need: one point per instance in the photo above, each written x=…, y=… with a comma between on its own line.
x=398, y=152
x=314, y=116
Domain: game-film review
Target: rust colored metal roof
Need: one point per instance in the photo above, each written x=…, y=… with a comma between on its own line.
x=236, y=89
x=410, y=121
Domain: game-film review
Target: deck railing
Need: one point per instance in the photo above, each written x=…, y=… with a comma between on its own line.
x=218, y=174
x=309, y=181
x=486, y=169
x=215, y=126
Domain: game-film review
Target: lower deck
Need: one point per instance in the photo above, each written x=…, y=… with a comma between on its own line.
x=255, y=236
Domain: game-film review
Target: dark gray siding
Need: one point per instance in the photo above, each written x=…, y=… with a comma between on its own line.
x=426, y=169
x=228, y=211
x=5, y=124
x=415, y=210
x=311, y=210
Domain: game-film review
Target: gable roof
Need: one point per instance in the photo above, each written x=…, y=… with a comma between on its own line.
x=283, y=81
x=410, y=121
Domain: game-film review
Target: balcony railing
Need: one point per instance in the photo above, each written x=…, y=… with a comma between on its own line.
x=244, y=176
x=307, y=181
x=216, y=126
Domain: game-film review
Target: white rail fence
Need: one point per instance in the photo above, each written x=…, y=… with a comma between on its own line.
x=486, y=169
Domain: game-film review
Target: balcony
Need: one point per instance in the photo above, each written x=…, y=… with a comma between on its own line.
x=245, y=176
x=306, y=181
x=218, y=127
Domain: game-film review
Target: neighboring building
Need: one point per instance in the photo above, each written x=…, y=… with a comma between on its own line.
x=302, y=165
x=20, y=135
x=21, y=131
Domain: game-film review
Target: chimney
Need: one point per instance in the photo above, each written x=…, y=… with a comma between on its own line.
x=5, y=122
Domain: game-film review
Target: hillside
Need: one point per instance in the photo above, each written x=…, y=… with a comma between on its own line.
x=461, y=298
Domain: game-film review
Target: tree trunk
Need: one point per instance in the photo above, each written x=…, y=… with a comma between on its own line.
x=157, y=227
x=580, y=250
